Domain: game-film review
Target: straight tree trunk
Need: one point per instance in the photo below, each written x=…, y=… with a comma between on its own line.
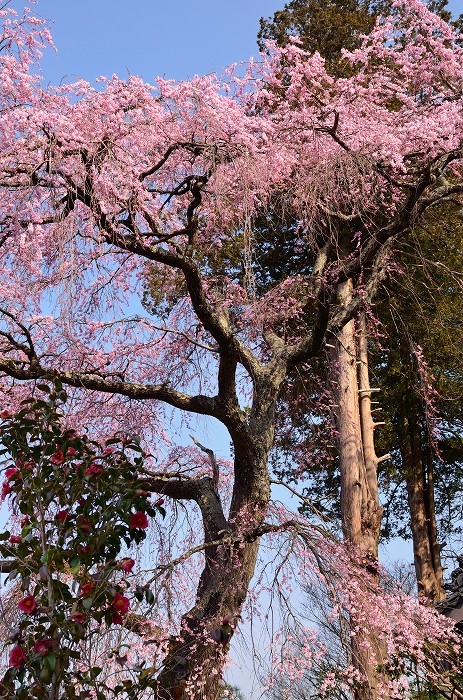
x=372, y=510
x=432, y=527
x=417, y=466
x=360, y=508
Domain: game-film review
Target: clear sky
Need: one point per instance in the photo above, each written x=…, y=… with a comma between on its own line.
x=150, y=37
x=171, y=38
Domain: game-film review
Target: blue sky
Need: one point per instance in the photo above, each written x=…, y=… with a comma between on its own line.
x=150, y=37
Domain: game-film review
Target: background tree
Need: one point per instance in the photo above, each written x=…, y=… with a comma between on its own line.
x=422, y=318
x=333, y=26
x=324, y=27
x=319, y=26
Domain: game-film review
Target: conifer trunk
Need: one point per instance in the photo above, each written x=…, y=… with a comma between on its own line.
x=360, y=509
x=420, y=493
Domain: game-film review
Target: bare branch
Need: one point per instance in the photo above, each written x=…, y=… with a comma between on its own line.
x=203, y=405
x=213, y=461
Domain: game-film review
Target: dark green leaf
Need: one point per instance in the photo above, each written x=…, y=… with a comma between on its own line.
x=50, y=661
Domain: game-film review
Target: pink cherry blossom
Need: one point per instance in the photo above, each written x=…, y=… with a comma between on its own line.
x=104, y=190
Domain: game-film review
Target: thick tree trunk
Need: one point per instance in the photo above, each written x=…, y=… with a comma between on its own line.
x=420, y=493
x=360, y=509
x=372, y=510
x=193, y=667
x=432, y=527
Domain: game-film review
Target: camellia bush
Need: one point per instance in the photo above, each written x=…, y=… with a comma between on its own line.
x=77, y=513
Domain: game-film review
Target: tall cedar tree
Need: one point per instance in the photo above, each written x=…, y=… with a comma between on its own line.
x=327, y=28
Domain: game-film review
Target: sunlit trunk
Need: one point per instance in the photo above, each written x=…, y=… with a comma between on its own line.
x=360, y=509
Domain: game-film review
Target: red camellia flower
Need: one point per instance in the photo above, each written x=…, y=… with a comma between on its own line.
x=121, y=604
x=43, y=646
x=78, y=617
x=5, y=489
x=71, y=452
x=11, y=471
x=127, y=565
x=93, y=469
x=62, y=515
x=83, y=549
x=5, y=414
x=86, y=589
x=58, y=457
x=28, y=604
x=16, y=539
x=85, y=525
x=139, y=520
x=16, y=657
x=117, y=619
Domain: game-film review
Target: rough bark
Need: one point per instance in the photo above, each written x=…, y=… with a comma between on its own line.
x=432, y=527
x=420, y=495
x=223, y=586
x=193, y=666
x=360, y=508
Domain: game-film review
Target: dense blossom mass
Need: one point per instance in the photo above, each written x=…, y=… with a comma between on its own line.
x=111, y=191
